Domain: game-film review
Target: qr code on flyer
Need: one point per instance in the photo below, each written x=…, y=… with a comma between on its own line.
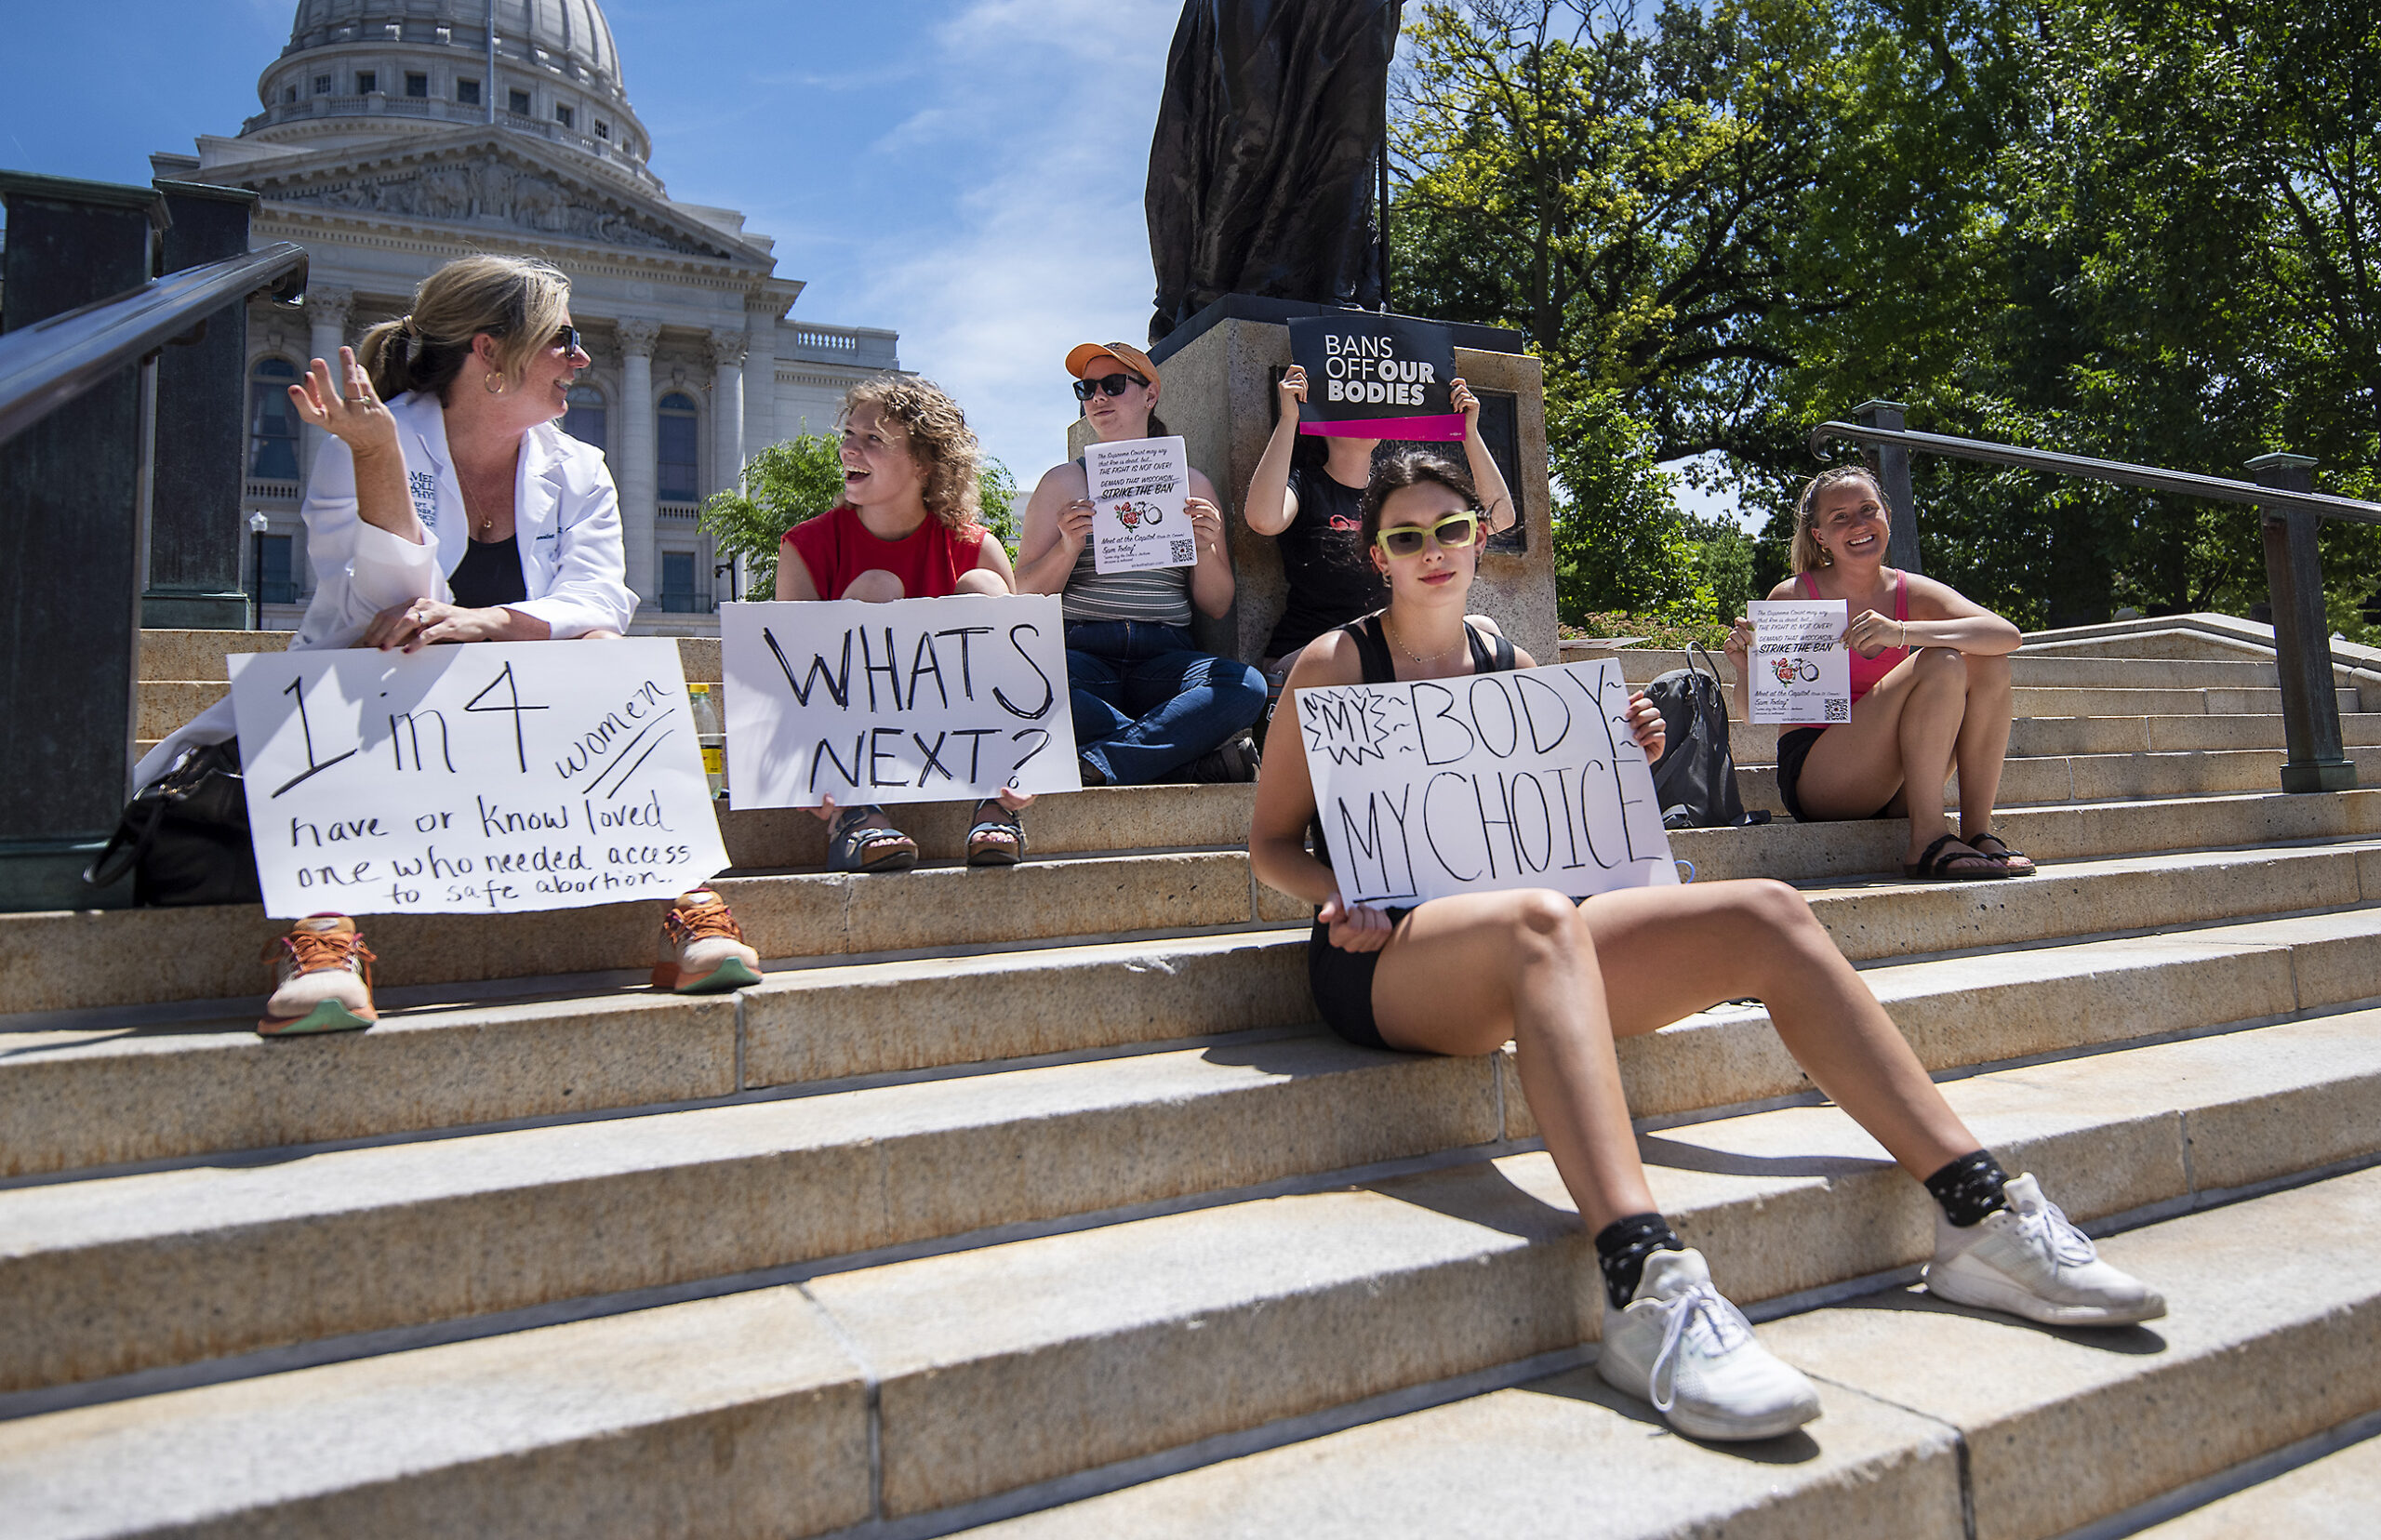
x=1184, y=552
x=1839, y=711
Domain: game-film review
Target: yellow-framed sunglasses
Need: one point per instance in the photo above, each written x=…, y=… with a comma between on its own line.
x=1452, y=533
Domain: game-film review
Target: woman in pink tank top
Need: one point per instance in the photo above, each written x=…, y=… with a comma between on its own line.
x=1930, y=692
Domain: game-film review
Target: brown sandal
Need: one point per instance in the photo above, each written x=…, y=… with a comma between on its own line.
x=2018, y=863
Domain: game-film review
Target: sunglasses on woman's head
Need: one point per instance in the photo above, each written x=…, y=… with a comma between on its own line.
x=1115, y=385
x=1451, y=533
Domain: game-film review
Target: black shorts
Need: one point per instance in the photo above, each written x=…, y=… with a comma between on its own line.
x=1342, y=982
x=1793, y=747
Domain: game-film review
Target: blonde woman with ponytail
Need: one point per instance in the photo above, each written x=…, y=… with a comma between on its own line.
x=446, y=506
x=1930, y=691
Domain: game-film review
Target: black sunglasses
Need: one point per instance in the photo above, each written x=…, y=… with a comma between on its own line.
x=1115, y=385
x=567, y=339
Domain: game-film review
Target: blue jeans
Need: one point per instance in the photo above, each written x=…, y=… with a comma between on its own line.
x=1147, y=702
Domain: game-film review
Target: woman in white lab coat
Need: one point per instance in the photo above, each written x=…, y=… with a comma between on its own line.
x=447, y=506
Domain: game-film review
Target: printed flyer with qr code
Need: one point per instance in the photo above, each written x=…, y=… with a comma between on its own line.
x=1138, y=487
x=1801, y=671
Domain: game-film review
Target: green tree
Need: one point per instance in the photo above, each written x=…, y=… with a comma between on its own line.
x=802, y=478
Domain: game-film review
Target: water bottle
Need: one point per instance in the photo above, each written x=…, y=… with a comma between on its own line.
x=710, y=732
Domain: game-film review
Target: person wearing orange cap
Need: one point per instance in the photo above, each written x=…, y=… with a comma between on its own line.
x=1148, y=705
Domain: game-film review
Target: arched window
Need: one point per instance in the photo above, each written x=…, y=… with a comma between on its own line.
x=676, y=455
x=586, y=418
x=273, y=421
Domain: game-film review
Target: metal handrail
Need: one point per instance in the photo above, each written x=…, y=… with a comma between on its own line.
x=2184, y=482
x=49, y=363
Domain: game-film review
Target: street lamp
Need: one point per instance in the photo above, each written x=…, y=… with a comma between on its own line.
x=258, y=525
x=729, y=568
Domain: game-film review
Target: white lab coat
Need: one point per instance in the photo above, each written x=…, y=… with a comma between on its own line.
x=565, y=512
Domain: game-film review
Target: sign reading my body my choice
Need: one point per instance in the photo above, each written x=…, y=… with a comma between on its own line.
x=917, y=700
x=1530, y=778
x=1138, y=487
x=1380, y=377
x=496, y=777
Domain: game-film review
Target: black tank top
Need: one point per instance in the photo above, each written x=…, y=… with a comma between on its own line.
x=1490, y=653
x=489, y=574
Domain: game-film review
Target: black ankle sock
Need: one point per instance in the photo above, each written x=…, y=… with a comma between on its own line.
x=1622, y=1247
x=1969, y=1189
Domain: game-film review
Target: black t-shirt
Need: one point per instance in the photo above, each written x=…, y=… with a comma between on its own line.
x=489, y=574
x=1331, y=579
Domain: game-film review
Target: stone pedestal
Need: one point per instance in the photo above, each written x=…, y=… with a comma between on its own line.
x=1218, y=394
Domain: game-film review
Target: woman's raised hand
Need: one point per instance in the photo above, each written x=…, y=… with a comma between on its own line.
x=1644, y=720
x=1738, y=647
x=1354, y=927
x=1871, y=633
x=1293, y=389
x=350, y=410
x=1460, y=397
x=1206, y=521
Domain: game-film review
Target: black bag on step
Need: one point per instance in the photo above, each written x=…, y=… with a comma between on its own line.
x=184, y=838
x=1694, y=780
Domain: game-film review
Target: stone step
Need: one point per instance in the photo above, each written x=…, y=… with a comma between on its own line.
x=2027, y=669
x=2102, y=778
x=262, y=1255
x=2332, y=1498
x=956, y=1378
x=97, y=1088
x=1937, y=1423
x=1752, y=743
x=79, y=959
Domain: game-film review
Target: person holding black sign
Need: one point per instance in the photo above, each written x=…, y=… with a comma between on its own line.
x=1465, y=974
x=1930, y=691
x=1308, y=493
x=905, y=529
x=1149, y=706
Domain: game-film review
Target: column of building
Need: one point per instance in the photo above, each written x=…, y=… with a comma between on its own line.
x=727, y=346
x=635, y=470
x=327, y=311
x=761, y=428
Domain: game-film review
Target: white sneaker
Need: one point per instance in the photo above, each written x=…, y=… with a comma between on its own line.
x=322, y=979
x=2027, y=1260
x=1690, y=1352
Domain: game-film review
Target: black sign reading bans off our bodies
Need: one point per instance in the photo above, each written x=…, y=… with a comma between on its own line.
x=1431, y=786
x=916, y=700
x=1381, y=377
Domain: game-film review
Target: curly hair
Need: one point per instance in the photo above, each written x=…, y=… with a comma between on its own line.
x=940, y=441
x=1809, y=555
x=520, y=302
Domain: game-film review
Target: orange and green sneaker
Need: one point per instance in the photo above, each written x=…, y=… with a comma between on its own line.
x=325, y=979
x=702, y=948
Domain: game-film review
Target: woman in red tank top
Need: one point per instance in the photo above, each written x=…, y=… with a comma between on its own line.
x=905, y=529
x=1930, y=691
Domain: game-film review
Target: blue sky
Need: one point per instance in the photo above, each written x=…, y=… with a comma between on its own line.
x=967, y=172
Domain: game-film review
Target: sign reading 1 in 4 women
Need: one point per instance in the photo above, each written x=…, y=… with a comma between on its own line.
x=918, y=701
x=1381, y=377
x=497, y=777
x=1431, y=786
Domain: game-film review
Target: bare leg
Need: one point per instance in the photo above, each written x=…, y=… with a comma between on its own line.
x=980, y=580
x=875, y=586
x=1899, y=739
x=1464, y=974
x=1983, y=743
x=1668, y=952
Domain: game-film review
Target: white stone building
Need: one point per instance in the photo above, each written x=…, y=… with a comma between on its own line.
x=399, y=133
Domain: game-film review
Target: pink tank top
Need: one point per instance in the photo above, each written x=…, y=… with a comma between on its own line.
x=1867, y=672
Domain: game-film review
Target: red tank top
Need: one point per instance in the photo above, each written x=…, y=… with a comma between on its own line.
x=1867, y=672
x=837, y=548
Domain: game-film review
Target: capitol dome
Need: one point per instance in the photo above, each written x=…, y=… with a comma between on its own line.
x=369, y=68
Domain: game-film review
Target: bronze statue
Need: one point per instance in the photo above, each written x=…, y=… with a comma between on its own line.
x=1265, y=166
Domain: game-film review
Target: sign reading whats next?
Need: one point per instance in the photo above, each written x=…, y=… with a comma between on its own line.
x=1381, y=377
x=1427, y=788
x=496, y=777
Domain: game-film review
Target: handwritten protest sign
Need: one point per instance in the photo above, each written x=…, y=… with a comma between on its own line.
x=1382, y=377
x=1801, y=671
x=1531, y=779
x=917, y=700
x=1138, y=487
x=496, y=777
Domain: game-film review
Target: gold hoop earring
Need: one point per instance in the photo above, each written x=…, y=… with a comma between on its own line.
x=495, y=383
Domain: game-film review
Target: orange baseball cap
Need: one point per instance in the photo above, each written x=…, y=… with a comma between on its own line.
x=1080, y=357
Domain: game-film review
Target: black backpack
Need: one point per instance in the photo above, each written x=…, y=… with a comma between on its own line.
x=1694, y=780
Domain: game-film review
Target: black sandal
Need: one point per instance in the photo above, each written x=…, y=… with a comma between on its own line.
x=2018, y=863
x=1935, y=864
x=998, y=838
